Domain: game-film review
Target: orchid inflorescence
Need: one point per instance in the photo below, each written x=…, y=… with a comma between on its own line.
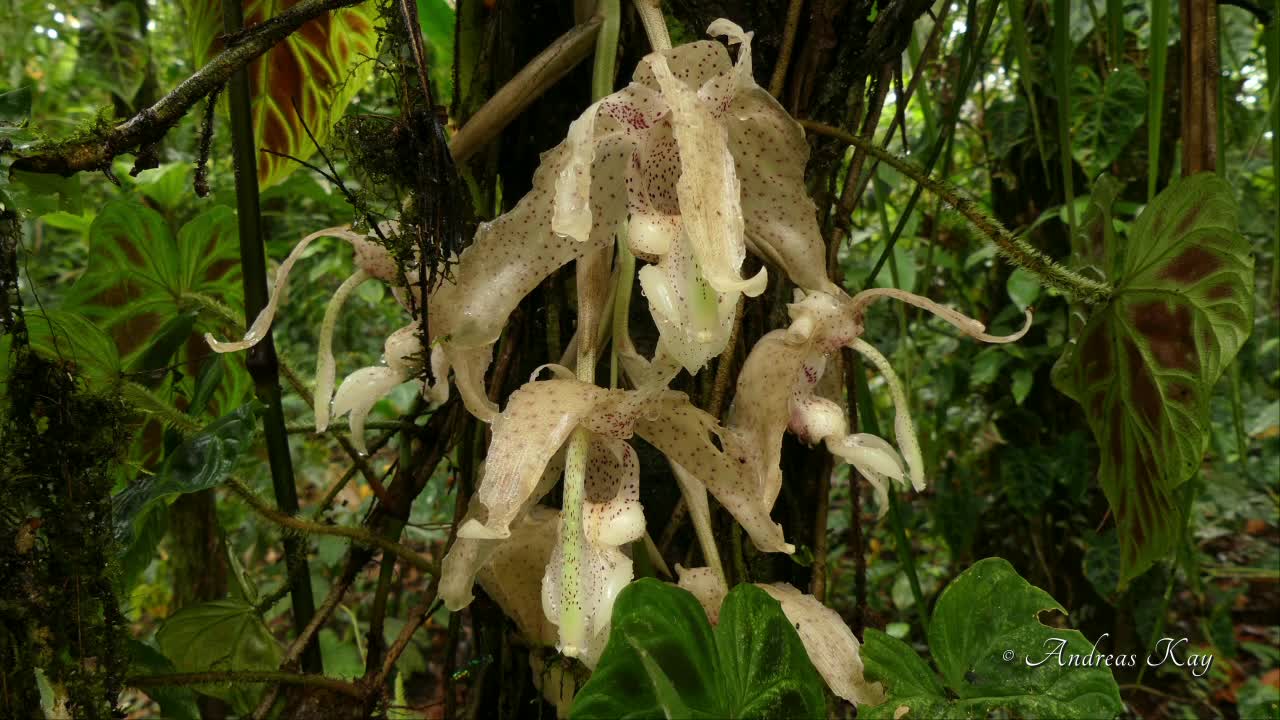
x=691, y=165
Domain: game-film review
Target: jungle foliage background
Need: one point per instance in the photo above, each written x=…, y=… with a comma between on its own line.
x=1012, y=460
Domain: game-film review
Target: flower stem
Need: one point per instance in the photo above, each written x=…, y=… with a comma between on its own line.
x=593, y=279
x=1013, y=248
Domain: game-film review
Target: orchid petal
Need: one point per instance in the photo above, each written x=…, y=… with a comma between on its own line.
x=612, y=517
x=692, y=63
x=358, y=393
x=708, y=188
x=512, y=576
x=832, y=647
x=707, y=586
x=962, y=322
x=781, y=221
x=694, y=321
x=537, y=421
x=683, y=433
x=903, y=429
x=325, y=364
x=261, y=324
x=467, y=556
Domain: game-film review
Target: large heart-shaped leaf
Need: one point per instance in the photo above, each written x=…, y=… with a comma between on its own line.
x=994, y=654
x=320, y=67
x=664, y=660
x=221, y=635
x=70, y=337
x=1145, y=364
x=112, y=52
x=138, y=272
x=1103, y=119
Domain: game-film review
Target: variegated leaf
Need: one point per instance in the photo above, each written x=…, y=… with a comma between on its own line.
x=320, y=67
x=1145, y=364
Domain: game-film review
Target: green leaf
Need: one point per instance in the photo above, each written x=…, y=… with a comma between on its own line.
x=168, y=185
x=437, y=20
x=1103, y=118
x=321, y=68
x=223, y=635
x=1008, y=123
x=1022, y=381
x=138, y=274
x=112, y=51
x=1145, y=364
x=1094, y=241
x=69, y=336
x=664, y=660
x=1023, y=288
x=201, y=462
x=176, y=702
x=993, y=654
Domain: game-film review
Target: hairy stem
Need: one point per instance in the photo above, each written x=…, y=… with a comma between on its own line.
x=1014, y=249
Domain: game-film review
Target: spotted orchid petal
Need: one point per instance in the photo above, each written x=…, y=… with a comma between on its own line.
x=708, y=188
x=832, y=647
x=326, y=367
x=707, y=586
x=875, y=459
x=370, y=257
x=468, y=556
x=574, y=209
x=684, y=434
x=612, y=518
x=538, y=419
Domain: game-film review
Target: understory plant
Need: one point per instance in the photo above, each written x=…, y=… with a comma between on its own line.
x=671, y=180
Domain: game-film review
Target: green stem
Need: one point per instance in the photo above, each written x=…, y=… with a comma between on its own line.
x=1013, y=248
x=870, y=424
x=1062, y=79
x=590, y=302
x=1155, y=99
x=261, y=361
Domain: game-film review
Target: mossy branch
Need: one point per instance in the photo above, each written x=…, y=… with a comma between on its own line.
x=357, y=535
x=1014, y=249
x=96, y=151
x=246, y=676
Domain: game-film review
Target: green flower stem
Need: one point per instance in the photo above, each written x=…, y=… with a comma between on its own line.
x=867, y=414
x=1012, y=248
x=593, y=274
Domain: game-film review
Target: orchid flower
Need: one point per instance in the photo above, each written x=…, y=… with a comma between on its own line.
x=402, y=351
x=712, y=165
x=776, y=390
x=524, y=462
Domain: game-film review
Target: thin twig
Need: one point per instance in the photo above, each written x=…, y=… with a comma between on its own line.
x=788, y=46
x=151, y=124
x=1013, y=248
x=245, y=676
x=355, y=534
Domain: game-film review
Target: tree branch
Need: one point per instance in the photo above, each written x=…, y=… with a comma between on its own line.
x=150, y=125
x=245, y=676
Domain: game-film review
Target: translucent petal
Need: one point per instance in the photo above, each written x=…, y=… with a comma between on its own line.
x=706, y=586
x=605, y=570
x=468, y=555
x=708, y=188
x=512, y=576
x=326, y=367
x=761, y=407
x=258, y=329
x=903, y=429
x=538, y=419
x=781, y=221
x=692, y=63
x=694, y=321
x=832, y=647
x=684, y=434
x=611, y=513
x=358, y=393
